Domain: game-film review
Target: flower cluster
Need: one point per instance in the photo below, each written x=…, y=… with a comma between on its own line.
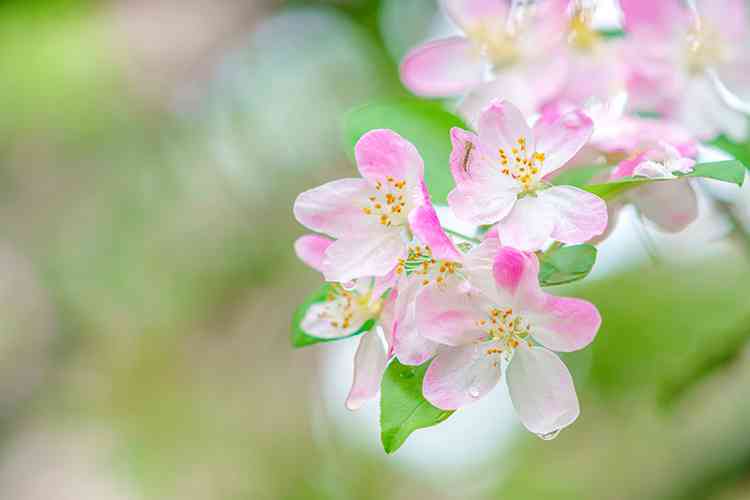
x=469, y=309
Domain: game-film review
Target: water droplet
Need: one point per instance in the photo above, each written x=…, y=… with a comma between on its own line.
x=549, y=436
x=474, y=391
x=349, y=285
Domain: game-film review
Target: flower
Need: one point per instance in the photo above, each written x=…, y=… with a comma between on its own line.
x=343, y=313
x=373, y=218
x=512, y=322
x=496, y=40
x=500, y=178
x=672, y=206
x=409, y=346
x=674, y=56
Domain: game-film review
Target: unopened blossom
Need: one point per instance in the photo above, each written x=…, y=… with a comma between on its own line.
x=343, y=313
x=511, y=323
x=373, y=219
x=500, y=178
x=674, y=55
x=498, y=46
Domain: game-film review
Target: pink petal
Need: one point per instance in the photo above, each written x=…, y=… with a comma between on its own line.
x=671, y=205
x=374, y=254
x=485, y=198
x=311, y=248
x=409, y=346
x=728, y=16
x=382, y=153
x=580, y=214
x=426, y=226
x=335, y=208
x=542, y=390
x=369, y=365
x=516, y=276
x=500, y=127
x=560, y=139
x=529, y=225
x=460, y=376
x=470, y=14
x=448, y=315
x=626, y=168
x=478, y=263
x=657, y=16
x=387, y=319
x=442, y=68
x=464, y=153
x=564, y=324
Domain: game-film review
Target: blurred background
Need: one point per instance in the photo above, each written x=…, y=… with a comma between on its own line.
x=150, y=151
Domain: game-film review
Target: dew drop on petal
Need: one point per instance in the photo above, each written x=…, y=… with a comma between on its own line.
x=549, y=436
x=474, y=391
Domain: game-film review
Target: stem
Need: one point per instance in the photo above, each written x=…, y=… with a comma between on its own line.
x=647, y=241
x=462, y=236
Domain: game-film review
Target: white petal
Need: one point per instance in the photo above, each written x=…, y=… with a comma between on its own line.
x=529, y=225
x=374, y=254
x=369, y=365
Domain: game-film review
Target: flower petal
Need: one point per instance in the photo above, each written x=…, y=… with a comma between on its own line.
x=448, y=315
x=542, y=390
x=672, y=205
x=311, y=249
x=374, y=254
x=478, y=263
x=460, y=376
x=464, y=154
x=561, y=138
x=529, y=225
x=369, y=365
x=580, y=215
x=335, y=208
x=485, y=198
x=657, y=16
x=382, y=153
x=442, y=68
x=564, y=324
x=516, y=276
x=409, y=346
x=500, y=127
x=424, y=223
x=471, y=14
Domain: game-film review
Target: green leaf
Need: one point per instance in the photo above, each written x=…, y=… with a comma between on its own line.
x=727, y=171
x=739, y=150
x=566, y=264
x=403, y=409
x=300, y=338
x=424, y=123
x=578, y=176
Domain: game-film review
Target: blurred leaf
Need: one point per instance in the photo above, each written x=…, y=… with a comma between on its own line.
x=727, y=171
x=739, y=150
x=403, y=408
x=424, y=123
x=300, y=338
x=566, y=264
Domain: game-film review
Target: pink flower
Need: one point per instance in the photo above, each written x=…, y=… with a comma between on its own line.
x=514, y=322
x=673, y=55
x=672, y=206
x=373, y=218
x=409, y=345
x=495, y=39
x=342, y=314
x=500, y=174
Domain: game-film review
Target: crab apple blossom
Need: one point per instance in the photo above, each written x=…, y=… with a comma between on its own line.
x=343, y=313
x=500, y=178
x=513, y=323
x=673, y=56
x=373, y=218
x=496, y=41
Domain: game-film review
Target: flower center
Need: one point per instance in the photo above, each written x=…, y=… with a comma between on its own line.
x=343, y=306
x=420, y=261
x=580, y=34
x=705, y=48
x=505, y=330
x=388, y=202
x=520, y=165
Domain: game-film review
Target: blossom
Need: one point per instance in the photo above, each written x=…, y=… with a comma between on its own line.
x=672, y=206
x=343, y=313
x=500, y=178
x=496, y=41
x=373, y=218
x=674, y=55
x=511, y=322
